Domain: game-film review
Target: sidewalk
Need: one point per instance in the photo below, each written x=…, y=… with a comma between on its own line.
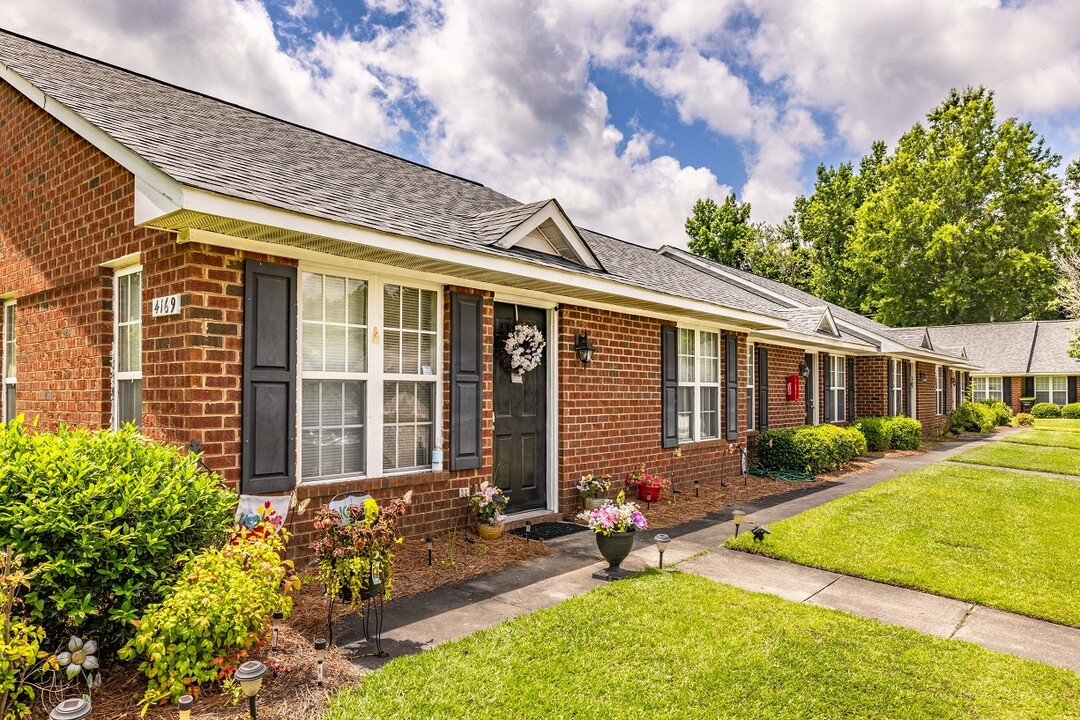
x=424, y=621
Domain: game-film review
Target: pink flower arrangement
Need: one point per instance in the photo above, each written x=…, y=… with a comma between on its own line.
x=488, y=503
x=613, y=517
x=638, y=477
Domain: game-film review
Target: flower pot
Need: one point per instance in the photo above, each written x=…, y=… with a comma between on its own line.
x=615, y=547
x=490, y=532
x=591, y=503
x=649, y=493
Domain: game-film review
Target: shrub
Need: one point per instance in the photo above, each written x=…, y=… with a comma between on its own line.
x=1071, y=411
x=904, y=433
x=812, y=449
x=1046, y=410
x=1026, y=419
x=973, y=417
x=20, y=644
x=1002, y=412
x=102, y=518
x=875, y=432
x=212, y=615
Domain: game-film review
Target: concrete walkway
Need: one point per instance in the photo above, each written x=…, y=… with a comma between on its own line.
x=454, y=611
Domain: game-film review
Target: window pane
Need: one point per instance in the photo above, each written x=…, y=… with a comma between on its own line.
x=686, y=356
x=9, y=402
x=9, y=341
x=710, y=357
x=407, y=425
x=334, y=299
x=129, y=402
x=134, y=347
x=332, y=428
x=334, y=349
x=334, y=328
x=751, y=372
x=313, y=296
x=686, y=413
x=709, y=412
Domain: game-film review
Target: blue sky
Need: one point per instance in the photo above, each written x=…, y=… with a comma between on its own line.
x=625, y=111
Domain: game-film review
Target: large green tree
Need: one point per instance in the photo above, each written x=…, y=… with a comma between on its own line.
x=721, y=232
x=964, y=223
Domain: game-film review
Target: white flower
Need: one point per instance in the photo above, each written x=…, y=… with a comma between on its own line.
x=78, y=657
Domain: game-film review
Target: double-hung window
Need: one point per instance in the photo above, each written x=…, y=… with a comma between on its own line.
x=699, y=385
x=898, y=386
x=940, y=389
x=986, y=388
x=1051, y=389
x=369, y=370
x=837, y=387
x=7, y=366
x=127, y=347
x=751, y=372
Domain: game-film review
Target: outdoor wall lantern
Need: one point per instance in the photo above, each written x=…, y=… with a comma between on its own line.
x=71, y=709
x=662, y=541
x=739, y=517
x=250, y=676
x=184, y=704
x=922, y=377
x=804, y=371
x=278, y=617
x=320, y=655
x=759, y=532
x=584, y=348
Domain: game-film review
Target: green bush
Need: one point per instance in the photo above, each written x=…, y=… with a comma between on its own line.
x=811, y=449
x=904, y=433
x=973, y=417
x=875, y=432
x=1002, y=412
x=1046, y=410
x=1071, y=411
x=212, y=615
x=103, y=519
x=20, y=643
x=1026, y=419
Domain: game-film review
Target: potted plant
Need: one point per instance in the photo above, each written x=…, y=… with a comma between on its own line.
x=614, y=524
x=487, y=503
x=592, y=487
x=649, y=485
x=354, y=548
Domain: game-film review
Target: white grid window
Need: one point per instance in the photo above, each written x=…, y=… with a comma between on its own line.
x=127, y=347
x=940, y=389
x=751, y=369
x=7, y=398
x=1051, y=389
x=699, y=385
x=898, y=385
x=837, y=387
x=983, y=388
x=368, y=393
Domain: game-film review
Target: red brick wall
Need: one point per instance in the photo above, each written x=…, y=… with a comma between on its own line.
x=926, y=400
x=871, y=386
x=784, y=361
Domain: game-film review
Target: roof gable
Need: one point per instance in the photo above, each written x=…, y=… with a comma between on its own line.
x=548, y=230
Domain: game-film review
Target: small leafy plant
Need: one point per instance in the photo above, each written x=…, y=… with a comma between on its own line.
x=812, y=449
x=613, y=517
x=1024, y=420
x=487, y=503
x=594, y=485
x=20, y=643
x=1071, y=411
x=1046, y=410
x=973, y=417
x=638, y=477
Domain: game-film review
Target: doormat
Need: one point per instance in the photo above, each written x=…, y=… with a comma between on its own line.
x=550, y=530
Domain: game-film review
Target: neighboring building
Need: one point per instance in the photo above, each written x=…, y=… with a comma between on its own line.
x=1028, y=359
x=325, y=317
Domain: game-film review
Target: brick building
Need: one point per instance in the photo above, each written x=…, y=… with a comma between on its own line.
x=325, y=317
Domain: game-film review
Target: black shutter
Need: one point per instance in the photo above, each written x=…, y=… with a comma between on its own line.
x=828, y=388
x=891, y=405
x=905, y=392
x=268, y=416
x=763, y=388
x=731, y=388
x=466, y=380
x=1006, y=390
x=1072, y=389
x=851, y=389
x=669, y=390
x=1029, y=386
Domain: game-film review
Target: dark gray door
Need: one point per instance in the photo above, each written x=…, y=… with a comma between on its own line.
x=521, y=418
x=810, y=390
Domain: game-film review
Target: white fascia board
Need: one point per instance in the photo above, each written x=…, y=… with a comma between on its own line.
x=155, y=192
x=788, y=338
x=718, y=272
x=552, y=211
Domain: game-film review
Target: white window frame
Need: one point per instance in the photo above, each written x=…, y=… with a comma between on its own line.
x=697, y=384
x=8, y=355
x=1052, y=393
x=939, y=388
x=837, y=371
x=374, y=377
x=126, y=375
x=751, y=399
x=982, y=387
x=898, y=385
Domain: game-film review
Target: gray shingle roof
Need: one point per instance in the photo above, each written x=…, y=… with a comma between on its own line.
x=492, y=225
x=910, y=336
x=1051, y=351
x=998, y=348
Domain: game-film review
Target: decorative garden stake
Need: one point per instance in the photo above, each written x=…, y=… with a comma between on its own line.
x=528, y=530
x=430, y=543
x=320, y=655
x=250, y=676
x=184, y=704
x=662, y=541
x=759, y=532
x=696, y=484
x=278, y=617
x=71, y=709
x=739, y=517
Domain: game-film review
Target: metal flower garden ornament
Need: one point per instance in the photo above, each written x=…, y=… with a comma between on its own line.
x=523, y=349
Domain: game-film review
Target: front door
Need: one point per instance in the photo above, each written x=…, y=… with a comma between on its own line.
x=521, y=417
x=811, y=389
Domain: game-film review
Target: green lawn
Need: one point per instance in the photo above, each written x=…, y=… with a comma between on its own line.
x=1057, y=424
x=672, y=645
x=1047, y=438
x=1024, y=457
x=987, y=536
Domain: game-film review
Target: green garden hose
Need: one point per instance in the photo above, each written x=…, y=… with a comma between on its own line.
x=784, y=475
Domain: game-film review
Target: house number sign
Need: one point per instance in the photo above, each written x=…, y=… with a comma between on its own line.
x=168, y=305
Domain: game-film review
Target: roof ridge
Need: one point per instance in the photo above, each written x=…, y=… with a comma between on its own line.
x=237, y=105
x=1031, y=351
